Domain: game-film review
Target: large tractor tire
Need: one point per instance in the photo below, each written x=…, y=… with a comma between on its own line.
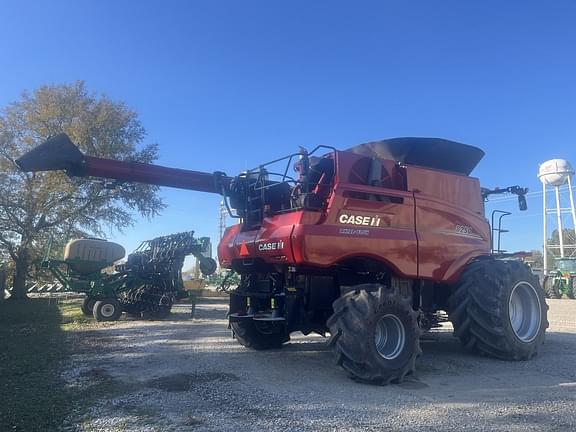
x=498, y=308
x=572, y=287
x=551, y=289
x=375, y=335
x=107, y=310
x=260, y=335
x=88, y=306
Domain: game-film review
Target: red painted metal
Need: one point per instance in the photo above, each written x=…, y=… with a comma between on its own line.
x=431, y=223
x=420, y=222
x=151, y=174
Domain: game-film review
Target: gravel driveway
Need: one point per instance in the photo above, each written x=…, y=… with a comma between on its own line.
x=190, y=375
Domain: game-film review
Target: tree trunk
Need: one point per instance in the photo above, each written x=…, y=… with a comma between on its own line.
x=19, y=285
x=2, y=284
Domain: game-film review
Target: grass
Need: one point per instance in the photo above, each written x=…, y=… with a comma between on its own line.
x=36, y=337
x=32, y=347
x=72, y=317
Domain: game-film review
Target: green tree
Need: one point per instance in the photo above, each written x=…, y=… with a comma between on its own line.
x=34, y=207
x=537, y=259
x=569, y=238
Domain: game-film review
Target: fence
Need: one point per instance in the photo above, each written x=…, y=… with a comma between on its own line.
x=32, y=287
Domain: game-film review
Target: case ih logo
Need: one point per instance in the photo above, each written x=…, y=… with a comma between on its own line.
x=359, y=220
x=271, y=246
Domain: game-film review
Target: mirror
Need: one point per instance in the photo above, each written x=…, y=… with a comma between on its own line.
x=522, y=202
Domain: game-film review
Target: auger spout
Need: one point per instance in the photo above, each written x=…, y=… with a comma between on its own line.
x=60, y=153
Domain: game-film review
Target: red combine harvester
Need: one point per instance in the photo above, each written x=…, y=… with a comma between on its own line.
x=373, y=245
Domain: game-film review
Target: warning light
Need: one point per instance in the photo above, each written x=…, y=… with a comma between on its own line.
x=244, y=249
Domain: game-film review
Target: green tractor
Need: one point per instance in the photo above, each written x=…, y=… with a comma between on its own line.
x=562, y=280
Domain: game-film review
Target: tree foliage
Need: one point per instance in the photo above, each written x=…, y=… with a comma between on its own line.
x=34, y=207
x=569, y=240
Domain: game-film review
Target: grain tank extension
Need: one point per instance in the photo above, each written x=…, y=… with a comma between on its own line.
x=372, y=246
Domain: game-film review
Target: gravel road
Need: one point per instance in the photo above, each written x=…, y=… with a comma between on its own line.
x=190, y=375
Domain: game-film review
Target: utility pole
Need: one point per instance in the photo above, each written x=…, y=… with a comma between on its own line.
x=222, y=220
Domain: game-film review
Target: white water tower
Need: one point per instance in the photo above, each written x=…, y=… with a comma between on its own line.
x=557, y=173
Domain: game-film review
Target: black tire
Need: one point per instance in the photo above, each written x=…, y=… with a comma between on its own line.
x=572, y=287
x=88, y=306
x=208, y=266
x=160, y=313
x=551, y=288
x=107, y=310
x=260, y=335
x=355, y=333
x=483, y=306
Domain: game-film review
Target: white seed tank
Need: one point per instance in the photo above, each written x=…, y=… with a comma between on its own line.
x=92, y=255
x=555, y=172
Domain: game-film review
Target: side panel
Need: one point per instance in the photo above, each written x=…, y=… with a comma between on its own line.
x=450, y=223
x=272, y=242
x=226, y=248
x=382, y=229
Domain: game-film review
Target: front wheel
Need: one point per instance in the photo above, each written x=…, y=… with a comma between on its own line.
x=88, y=306
x=374, y=333
x=498, y=308
x=107, y=310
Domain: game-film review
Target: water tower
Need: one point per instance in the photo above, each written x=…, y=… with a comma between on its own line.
x=557, y=174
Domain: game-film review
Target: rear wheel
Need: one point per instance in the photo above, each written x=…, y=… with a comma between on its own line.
x=88, y=306
x=107, y=310
x=498, y=308
x=572, y=287
x=551, y=288
x=375, y=335
x=260, y=335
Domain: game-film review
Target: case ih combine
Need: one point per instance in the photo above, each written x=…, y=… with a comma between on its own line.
x=370, y=245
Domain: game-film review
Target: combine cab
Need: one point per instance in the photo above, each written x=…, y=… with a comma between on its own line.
x=371, y=246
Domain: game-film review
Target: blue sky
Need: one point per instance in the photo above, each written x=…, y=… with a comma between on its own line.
x=224, y=85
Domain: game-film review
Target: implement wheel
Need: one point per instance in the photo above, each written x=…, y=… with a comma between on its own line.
x=88, y=306
x=159, y=313
x=498, y=308
x=107, y=310
x=375, y=335
x=260, y=335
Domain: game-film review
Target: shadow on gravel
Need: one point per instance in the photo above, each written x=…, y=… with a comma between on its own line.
x=443, y=354
x=181, y=382
x=182, y=368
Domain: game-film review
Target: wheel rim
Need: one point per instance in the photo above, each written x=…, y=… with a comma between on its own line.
x=390, y=336
x=107, y=310
x=525, y=312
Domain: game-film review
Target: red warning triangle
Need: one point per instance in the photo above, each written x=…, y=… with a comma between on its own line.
x=244, y=249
